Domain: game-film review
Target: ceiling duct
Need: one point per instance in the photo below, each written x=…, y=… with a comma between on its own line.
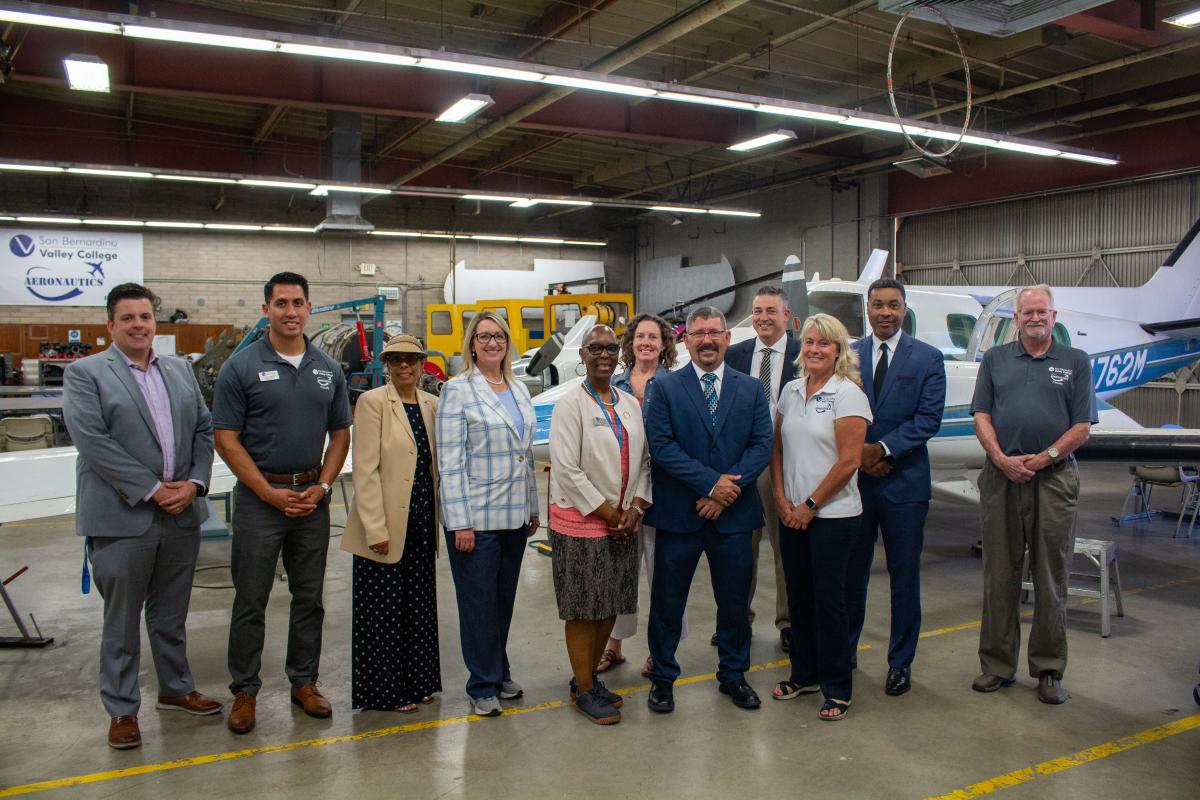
x=343, y=210
x=993, y=17
x=923, y=166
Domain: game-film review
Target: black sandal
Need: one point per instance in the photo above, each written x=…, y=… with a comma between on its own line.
x=841, y=706
x=789, y=690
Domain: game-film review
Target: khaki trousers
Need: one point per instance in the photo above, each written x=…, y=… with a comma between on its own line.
x=1038, y=516
x=766, y=493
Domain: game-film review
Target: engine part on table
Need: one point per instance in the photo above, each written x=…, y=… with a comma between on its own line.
x=216, y=352
x=63, y=349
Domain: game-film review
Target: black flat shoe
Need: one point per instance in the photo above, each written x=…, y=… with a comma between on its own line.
x=741, y=694
x=714, y=641
x=662, y=697
x=899, y=681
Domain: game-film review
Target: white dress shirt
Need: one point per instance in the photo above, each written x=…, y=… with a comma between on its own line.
x=719, y=372
x=778, y=354
x=876, y=352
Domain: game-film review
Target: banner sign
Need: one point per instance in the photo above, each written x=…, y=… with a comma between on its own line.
x=66, y=268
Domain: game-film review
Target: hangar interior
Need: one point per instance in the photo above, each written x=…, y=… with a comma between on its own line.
x=238, y=139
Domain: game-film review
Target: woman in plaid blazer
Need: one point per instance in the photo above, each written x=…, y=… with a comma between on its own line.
x=489, y=501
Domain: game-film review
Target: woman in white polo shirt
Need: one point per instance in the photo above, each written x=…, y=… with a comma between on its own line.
x=820, y=425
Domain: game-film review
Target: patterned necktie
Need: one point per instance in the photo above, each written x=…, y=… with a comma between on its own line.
x=764, y=372
x=710, y=394
x=881, y=369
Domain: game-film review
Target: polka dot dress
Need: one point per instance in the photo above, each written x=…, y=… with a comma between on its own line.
x=395, y=638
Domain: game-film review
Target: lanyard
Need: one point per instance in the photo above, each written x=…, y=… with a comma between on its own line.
x=614, y=421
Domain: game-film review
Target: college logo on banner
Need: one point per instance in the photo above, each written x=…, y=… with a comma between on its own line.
x=49, y=267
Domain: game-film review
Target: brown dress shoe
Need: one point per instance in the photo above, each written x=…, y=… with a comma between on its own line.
x=990, y=683
x=241, y=718
x=1050, y=689
x=312, y=701
x=123, y=733
x=192, y=703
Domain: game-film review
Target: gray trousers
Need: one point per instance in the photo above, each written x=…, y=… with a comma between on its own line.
x=1038, y=515
x=153, y=571
x=260, y=533
x=766, y=493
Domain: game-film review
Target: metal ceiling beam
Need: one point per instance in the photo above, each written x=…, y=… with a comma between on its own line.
x=398, y=134
x=270, y=119
x=698, y=15
x=519, y=151
x=559, y=20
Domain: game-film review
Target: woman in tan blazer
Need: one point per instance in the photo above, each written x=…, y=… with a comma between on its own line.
x=391, y=530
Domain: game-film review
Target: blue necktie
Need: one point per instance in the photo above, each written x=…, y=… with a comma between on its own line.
x=710, y=394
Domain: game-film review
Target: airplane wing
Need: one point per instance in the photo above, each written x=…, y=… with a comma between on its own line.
x=1176, y=328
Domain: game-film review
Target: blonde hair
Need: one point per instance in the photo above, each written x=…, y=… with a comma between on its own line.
x=831, y=328
x=510, y=349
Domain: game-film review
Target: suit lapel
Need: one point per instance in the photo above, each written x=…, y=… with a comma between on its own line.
x=427, y=415
x=117, y=364
x=866, y=354
x=175, y=394
x=696, y=393
x=527, y=416
x=397, y=406
x=725, y=400
x=484, y=391
x=898, y=360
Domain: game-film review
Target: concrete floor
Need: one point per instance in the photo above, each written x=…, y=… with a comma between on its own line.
x=940, y=738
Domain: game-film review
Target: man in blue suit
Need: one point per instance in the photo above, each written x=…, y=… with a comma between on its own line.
x=710, y=437
x=905, y=380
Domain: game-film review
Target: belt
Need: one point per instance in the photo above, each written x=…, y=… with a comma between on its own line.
x=294, y=478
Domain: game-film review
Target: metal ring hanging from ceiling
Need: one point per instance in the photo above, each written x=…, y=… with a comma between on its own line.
x=966, y=125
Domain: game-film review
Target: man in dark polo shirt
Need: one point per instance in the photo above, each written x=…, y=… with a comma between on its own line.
x=1034, y=405
x=273, y=405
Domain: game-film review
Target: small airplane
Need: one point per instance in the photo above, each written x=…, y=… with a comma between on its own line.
x=96, y=267
x=964, y=322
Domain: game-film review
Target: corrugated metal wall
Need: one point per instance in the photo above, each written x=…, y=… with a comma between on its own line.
x=1108, y=236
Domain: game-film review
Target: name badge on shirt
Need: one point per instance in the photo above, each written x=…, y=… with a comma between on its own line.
x=269, y=375
x=599, y=422
x=824, y=404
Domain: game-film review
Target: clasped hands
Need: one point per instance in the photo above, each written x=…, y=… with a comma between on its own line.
x=295, y=504
x=174, y=497
x=621, y=524
x=792, y=515
x=1021, y=469
x=874, y=461
x=722, y=496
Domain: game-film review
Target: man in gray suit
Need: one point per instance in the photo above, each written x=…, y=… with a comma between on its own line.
x=145, y=443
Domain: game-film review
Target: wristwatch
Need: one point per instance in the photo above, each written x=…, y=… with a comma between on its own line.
x=326, y=487
x=1053, y=453
x=812, y=504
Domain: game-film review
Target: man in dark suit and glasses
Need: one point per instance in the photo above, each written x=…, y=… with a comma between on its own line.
x=905, y=380
x=710, y=436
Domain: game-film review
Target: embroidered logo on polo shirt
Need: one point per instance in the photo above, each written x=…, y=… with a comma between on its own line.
x=824, y=403
x=324, y=378
x=1060, y=375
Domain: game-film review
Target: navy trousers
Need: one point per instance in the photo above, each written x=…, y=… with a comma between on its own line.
x=903, y=529
x=485, y=583
x=730, y=562
x=814, y=563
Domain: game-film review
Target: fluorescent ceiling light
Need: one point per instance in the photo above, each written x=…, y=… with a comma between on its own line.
x=585, y=243
x=230, y=226
x=48, y=21
x=1108, y=162
x=86, y=73
x=287, y=229
x=411, y=234
x=774, y=137
x=109, y=173
x=720, y=102
x=276, y=184
x=499, y=198
x=170, y=224
x=128, y=223
x=442, y=236
x=347, y=54
x=51, y=220
x=325, y=188
x=487, y=237
x=729, y=212
x=193, y=179
x=8, y=219
x=1030, y=149
x=529, y=202
x=873, y=124
x=985, y=141
x=1188, y=19
x=465, y=108
x=30, y=168
x=198, y=37
x=679, y=209
x=802, y=113
x=600, y=86
x=479, y=69
x=541, y=240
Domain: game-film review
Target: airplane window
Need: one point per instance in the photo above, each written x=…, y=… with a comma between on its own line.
x=439, y=323
x=910, y=322
x=1061, y=334
x=959, y=327
x=847, y=308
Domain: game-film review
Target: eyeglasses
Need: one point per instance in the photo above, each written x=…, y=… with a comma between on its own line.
x=597, y=349
x=702, y=335
x=484, y=338
x=407, y=358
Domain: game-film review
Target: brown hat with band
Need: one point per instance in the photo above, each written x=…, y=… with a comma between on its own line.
x=402, y=343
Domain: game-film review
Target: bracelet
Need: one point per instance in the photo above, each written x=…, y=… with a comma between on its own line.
x=635, y=508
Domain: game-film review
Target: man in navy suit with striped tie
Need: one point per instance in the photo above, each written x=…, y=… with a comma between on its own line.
x=710, y=437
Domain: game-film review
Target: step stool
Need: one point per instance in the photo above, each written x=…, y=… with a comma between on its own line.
x=1103, y=554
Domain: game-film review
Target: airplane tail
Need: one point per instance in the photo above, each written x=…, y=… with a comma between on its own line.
x=1171, y=298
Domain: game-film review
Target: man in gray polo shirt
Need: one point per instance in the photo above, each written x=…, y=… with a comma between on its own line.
x=273, y=405
x=1034, y=405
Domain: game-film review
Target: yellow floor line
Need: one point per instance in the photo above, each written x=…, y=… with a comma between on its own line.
x=95, y=777
x=1057, y=765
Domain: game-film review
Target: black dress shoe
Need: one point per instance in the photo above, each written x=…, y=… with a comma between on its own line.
x=662, y=697
x=853, y=661
x=713, y=641
x=785, y=640
x=899, y=681
x=741, y=694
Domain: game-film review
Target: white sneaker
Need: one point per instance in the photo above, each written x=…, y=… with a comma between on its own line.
x=511, y=690
x=486, y=706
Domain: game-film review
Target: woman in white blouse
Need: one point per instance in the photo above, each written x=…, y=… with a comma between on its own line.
x=820, y=426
